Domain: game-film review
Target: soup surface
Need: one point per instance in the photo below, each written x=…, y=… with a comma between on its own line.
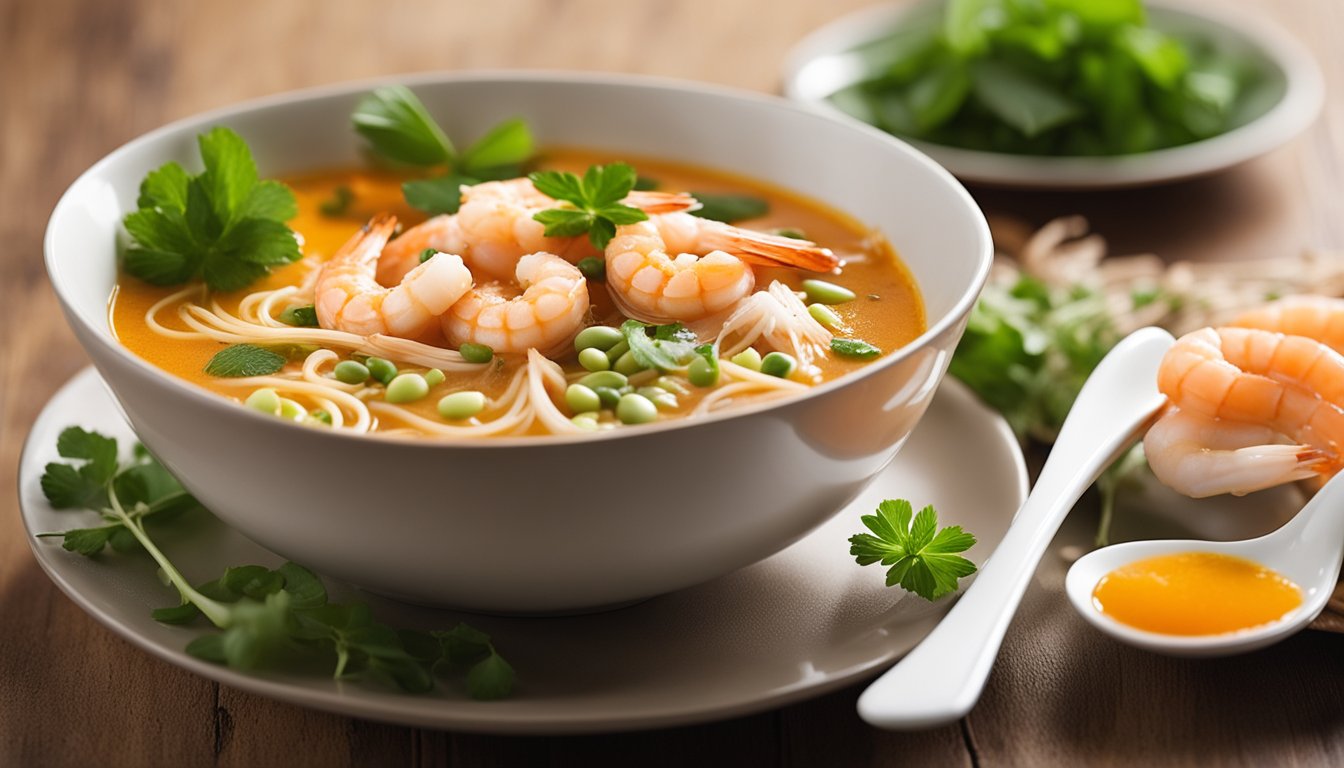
x=182, y=329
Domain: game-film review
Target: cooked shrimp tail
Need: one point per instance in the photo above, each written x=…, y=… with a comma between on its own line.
x=654, y=203
x=766, y=250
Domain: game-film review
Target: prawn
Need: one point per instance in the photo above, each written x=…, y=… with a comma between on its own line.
x=1199, y=456
x=494, y=227
x=1236, y=388
x=1316, y=317
x=679, y=267
x=545, y=316
x=348, y=298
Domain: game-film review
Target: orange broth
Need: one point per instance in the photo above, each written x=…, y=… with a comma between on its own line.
x=888, y=311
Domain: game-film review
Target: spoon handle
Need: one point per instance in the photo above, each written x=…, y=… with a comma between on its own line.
x=941, y=679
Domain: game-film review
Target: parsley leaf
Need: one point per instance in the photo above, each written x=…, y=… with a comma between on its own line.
x=397, y=126
x=223, y=224
x=922, y=559
x=594, y=202
x=244, y=360
x=729, y=208
x=442, y=194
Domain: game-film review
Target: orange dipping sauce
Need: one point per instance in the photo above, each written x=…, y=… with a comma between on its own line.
x=1195, y=593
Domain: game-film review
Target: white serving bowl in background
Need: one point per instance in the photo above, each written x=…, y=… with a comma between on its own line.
x=1278, y=108
x=547, y=524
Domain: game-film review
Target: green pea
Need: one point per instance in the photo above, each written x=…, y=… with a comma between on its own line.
x=320, y=416
x=703, y=372
x=265, y=400
x=664, y=400
x=291, y=410
x=593, y=268
x=461, y=405
x=778, y=364
x=636, y=409
x=351, y=372
x=618, y=349
x=586, y=421
x=672, y=385
x=604, y=379
x=594, y=359
x=609, y=397
x=825, y=315
x=601, y=337
x=628, y=365
x=407, y=388
x=476, y=353
x=381, y=370
x=823, y=292
x=434, y=377
x=581, y=399
x=748, y=358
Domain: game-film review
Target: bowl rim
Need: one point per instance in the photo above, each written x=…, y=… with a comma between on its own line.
x=216, y=403
x=1298, y=107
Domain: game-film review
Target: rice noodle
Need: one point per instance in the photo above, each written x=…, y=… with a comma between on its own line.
x=779, y=318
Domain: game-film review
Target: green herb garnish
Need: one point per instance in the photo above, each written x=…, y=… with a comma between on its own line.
x=593, y=268
x=855, y=348
x=399, y=128
x=339, y=202
x=729, y=208
x=300, y=317
x=590, y=205
x=1052, y=77
x=223, y=224
x=240, y=360
x=921, y=558
x=269, y=619
x=669, y=348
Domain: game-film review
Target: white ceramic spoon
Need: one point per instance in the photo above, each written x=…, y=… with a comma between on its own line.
x=941, y=679
x=1308, y=550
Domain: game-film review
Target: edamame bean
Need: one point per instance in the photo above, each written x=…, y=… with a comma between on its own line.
x=628, y=365
x=461, y=405
x=434, y=377
x=476, y=353
x=351, y=372
x=748, y=358
x=778, y=364
x=265, y=400
x=664, y=400
x=608, y=396
x=407, y=388
x=703, y=372
x=672, y=385
x=823, y=292
x=636, y=409
x=581, y=399
x=291, y=410
x=585, y=421
x=382, y=371
x=594, y=359
x=601, y=337
x=604, y=379
x=825, y=315
x=618, y=349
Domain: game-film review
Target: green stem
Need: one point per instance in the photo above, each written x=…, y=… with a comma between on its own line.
x=1108, y=490
x=216, y=612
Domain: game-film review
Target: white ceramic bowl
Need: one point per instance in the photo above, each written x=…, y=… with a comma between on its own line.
x=1280, y=106
x=546, y=524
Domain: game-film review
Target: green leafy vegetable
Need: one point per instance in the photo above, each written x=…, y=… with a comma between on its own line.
x=398, y=127
x=338, y=203
x=300, y=317
x=244, y=360
x=729, y=208
x=855, y=348
x=438, y=195
x=268, y=618
x=921, y=558
x=1048, y=77
x=223, y=224
x=591, y=205
x=670, y=347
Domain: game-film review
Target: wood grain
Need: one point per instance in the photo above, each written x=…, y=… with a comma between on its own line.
x=79, y=77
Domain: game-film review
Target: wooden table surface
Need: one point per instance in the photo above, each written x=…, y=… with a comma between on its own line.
x=80, y=77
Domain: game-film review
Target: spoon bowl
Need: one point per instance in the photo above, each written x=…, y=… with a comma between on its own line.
x=1307, y=550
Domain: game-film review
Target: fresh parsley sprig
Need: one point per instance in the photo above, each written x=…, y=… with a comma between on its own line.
x=275, y=619
x=590, y=205
x=922, y=559
x=399, y=128
x=223, y=224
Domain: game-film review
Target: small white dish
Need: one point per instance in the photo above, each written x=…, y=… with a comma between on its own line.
x=1286, y=102
x=803, y=622
x=1307, y=550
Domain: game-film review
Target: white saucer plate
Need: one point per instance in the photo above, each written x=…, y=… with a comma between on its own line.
x=798, y=624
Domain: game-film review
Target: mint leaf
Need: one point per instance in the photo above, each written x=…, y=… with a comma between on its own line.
x=729, y=208
x=397, y=125
x=241, y=360
x=921, y=558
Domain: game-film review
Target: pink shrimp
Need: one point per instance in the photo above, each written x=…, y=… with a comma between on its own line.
x=679, y=267
x=545, y=316
x=348, y=298
x=1316, y=317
